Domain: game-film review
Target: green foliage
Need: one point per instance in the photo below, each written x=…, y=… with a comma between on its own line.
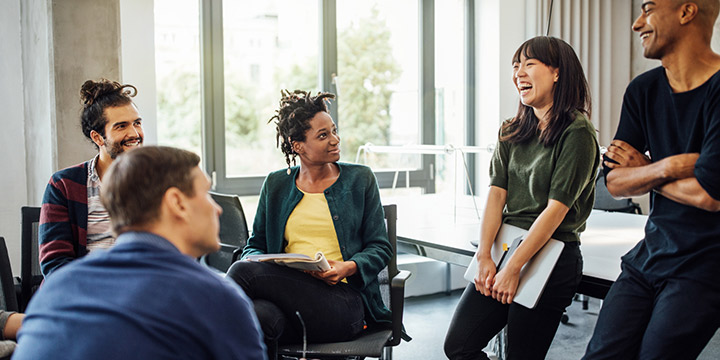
x=368, y=70
x=241, y=118
x=298, y=76
x=178, y=109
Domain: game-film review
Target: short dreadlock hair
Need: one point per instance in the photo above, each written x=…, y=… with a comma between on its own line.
x=293, y=117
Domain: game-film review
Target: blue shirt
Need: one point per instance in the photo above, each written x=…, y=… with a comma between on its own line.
x=142, y=299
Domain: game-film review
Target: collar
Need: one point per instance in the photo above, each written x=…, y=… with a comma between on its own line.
x=147, y=238
x=92, y=170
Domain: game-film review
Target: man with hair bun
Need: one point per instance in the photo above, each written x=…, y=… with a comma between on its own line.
x=73, y=221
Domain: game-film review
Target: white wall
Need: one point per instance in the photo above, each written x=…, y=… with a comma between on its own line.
x=137, y=29
x=47, y=49
x=13, y=181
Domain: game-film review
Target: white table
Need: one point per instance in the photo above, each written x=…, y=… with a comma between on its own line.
x=442, y=231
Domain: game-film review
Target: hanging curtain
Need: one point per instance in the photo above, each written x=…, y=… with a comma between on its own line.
x=600, y=32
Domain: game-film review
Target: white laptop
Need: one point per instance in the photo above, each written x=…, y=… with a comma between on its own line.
x=534, y=274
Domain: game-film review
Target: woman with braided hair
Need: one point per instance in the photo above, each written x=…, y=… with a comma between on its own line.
x=320, y=205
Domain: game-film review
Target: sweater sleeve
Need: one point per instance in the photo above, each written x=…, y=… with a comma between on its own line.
x=576, y=165
x=498, y=165
x=56, y=236
x=257, y=242
x=376, y=249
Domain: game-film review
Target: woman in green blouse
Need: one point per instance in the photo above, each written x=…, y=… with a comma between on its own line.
x=542, y=179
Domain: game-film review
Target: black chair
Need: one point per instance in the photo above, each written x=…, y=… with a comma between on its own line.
x=377, y=342
x=8, y=298
x=605, y=201
x=233, y=232
x=30, y=275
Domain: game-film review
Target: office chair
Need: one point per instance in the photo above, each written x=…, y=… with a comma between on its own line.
x=372, y=342
x=30, y=275
x=8, y=297
x=233, y=232
x=605, y=201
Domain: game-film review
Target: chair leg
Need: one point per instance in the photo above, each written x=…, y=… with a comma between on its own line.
x=387, y=353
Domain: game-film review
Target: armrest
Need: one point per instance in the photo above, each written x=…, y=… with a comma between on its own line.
x=397, y=302
x=236, y=254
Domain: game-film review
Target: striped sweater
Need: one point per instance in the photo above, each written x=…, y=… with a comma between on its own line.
x=62, y=234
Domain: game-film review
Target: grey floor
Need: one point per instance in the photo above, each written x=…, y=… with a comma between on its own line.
x=427, y=319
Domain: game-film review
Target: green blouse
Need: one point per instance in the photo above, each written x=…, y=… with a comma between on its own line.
x=532, y=174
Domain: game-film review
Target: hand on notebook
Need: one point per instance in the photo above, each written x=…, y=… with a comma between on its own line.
x=338, y=270
x=506, y=284
x=485, y=276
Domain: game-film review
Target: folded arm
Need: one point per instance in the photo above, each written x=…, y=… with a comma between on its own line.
x=673, y=177
x=689, y=192
x=634, y=174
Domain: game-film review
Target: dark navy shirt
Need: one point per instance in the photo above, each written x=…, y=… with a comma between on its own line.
x=681, y=241
x=142, y=299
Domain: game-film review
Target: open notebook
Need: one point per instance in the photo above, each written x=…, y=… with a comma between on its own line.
x=534, y=274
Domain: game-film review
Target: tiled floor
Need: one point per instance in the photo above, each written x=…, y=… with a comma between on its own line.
x=427, y=319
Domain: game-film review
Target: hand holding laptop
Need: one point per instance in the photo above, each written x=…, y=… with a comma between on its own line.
x=531, y=278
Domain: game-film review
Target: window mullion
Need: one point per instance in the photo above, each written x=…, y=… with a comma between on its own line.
x=427, y=87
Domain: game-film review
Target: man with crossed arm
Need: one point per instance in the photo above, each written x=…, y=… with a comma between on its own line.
x=666, y=302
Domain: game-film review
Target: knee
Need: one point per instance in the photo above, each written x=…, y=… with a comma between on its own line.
x=451, y=347
x=242, y=271
x=271, y=319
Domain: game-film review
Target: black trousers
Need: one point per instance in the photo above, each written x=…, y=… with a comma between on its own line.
x=530, y=332
x=663, y=319
x=331, y=312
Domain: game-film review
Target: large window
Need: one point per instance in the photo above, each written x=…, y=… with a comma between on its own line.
x=377, y=56
x=177, y=69
x=397, y=68
x=267, y=46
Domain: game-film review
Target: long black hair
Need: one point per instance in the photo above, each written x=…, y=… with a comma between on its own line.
x=570, y=93
x=293, y=117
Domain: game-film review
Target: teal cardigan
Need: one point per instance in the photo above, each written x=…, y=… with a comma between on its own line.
x=354, y=202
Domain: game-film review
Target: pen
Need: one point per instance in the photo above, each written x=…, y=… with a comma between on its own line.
x=505, y=250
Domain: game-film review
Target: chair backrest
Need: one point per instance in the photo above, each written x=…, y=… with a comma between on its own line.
x=233, y=231
x=30, y=275
x=8, y=297
x=605, y=201
x=391, y=269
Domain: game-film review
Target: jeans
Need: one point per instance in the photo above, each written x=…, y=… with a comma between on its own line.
x=530, y=332
x=643, y=318
x=331, y=312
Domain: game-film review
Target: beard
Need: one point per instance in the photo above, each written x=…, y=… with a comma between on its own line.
x=117, y=148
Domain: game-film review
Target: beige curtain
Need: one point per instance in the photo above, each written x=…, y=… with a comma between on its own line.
x=600, y=32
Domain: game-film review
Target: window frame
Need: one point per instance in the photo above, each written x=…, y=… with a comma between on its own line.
x=213, y=100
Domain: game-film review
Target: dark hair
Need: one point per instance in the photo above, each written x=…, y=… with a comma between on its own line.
x=571, y=92
x=292, y=119
x=96, y=96
x=137, y=180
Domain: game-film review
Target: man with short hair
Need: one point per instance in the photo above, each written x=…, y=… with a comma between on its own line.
x=73, y=221
x=147, y=297
x=666, y=302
